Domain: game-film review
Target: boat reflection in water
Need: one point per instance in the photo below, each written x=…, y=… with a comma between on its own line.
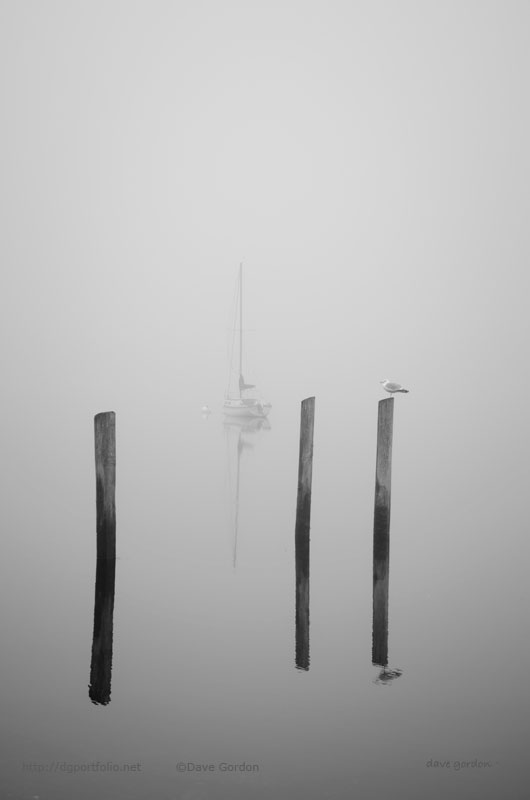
x=239, y=433
x=101, y=664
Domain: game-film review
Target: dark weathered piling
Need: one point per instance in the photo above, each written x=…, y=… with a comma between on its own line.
x=302, y=604
x=101, y=664
x=380, y=621
x=303, y=524
x=105, y=442
x=305, y=467
x=382, y=531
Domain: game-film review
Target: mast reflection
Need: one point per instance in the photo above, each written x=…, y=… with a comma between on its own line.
x=240, y=429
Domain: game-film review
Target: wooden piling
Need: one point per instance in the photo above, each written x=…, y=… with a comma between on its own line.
x=302, y=604
x=380, y=621
x=305, y=467
x=105, y=444
x=382, y=531
x=303, y=524
x=101, y=663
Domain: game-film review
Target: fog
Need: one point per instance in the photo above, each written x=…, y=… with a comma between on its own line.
x=368, y=164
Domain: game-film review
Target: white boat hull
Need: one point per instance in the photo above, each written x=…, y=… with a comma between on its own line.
x=246, y=408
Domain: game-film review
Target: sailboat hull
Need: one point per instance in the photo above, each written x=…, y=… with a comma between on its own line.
x=243, y=407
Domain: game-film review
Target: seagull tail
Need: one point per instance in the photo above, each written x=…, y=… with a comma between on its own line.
x=405, y=391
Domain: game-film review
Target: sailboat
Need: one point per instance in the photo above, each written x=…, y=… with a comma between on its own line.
x=239, y=403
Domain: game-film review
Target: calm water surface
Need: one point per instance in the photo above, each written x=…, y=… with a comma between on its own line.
x=203, y=662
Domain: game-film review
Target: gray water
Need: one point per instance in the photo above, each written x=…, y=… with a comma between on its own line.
x=203, y=667
x=368, y=163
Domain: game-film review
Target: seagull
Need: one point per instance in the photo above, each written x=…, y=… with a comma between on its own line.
x=390, y=386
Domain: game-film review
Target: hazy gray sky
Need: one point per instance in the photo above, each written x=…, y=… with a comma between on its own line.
x=367, y=161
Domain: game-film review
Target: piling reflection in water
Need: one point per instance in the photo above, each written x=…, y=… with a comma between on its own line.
x=240, y=429
x=303, y=524
x=101, y=664
x=380, y=616
x=302, y=603
x=381, y=563
x=380, y=623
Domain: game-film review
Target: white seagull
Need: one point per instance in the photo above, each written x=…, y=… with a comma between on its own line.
x=390, y=386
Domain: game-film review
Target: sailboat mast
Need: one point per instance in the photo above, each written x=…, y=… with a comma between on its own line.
x=240, y=326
